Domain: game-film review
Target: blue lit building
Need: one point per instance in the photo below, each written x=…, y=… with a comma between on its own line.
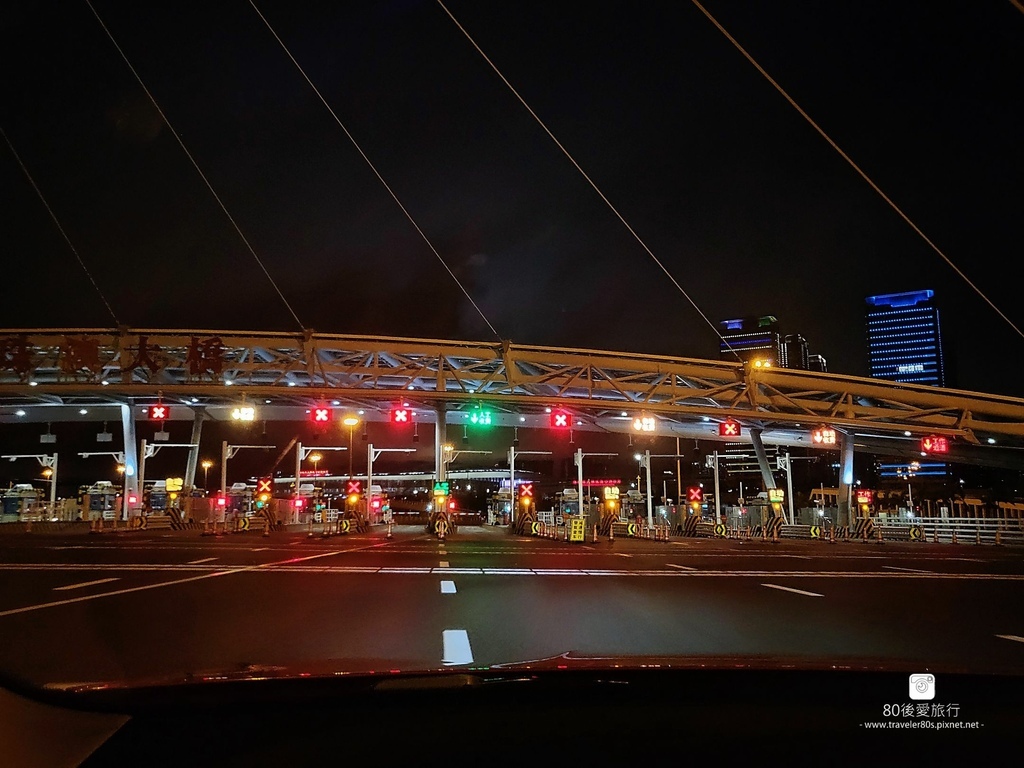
x=904, y=338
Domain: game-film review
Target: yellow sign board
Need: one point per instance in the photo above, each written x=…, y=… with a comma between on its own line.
x=776, y=495
x=577, y=529
x=175, y=483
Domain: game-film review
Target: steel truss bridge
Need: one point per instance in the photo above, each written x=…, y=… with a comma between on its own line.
x=50, y=375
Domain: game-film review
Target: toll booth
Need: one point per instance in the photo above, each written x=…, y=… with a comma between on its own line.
x=240, y=499
x=499, y=508
x=567, y=503
x=155, y=498
x=19, y=500
x=102, y=498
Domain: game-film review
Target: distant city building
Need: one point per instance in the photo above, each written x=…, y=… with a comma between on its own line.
x=759, y=338
x=904, y=338
x=752, y=338
x=795, y=353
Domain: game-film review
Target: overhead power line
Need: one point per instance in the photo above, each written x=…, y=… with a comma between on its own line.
x=377, y=173
x=590, y=181
x=854, y=165
x=199, y=170
x=60, y=228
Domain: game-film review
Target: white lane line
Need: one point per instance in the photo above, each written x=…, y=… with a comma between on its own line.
x=447, y=587
x=910, y=570
x=85, y=584
x=509, y=572
x=187, y=580
x=259, y=549
x=680, y=567
x=1015, y=638
x=202, y=560
x=442, y=551
x=474, y=571
x=456, y=647
x=443, y=564
x=622, y=554
x=794, y=591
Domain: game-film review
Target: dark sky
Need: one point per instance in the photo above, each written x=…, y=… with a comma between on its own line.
x=749, y=208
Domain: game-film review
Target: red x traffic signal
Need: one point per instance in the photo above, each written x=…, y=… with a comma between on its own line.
x=729, y=428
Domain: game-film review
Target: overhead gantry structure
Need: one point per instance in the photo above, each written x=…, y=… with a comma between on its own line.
x=52, y=374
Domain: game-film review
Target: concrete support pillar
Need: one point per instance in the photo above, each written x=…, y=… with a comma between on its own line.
x=440, y=438
x=762, y=459
x=846, y=509
x=193, y=453
x=131, y=455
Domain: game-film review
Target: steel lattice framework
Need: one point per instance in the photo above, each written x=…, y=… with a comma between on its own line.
x=75, y=365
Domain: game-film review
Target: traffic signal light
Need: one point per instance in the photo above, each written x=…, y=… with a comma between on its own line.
x=222, y=500
x=561, y=419
x=354, y=487
x=480, y=416
x=695, y=496
x=133, y=499
x=644, y=424
x=300, y=502
x=375, y=502
x=265, y=487
x=823, y=436
x=451, y=504
x=401, y=416
x=935, y=444
x=321, y=415
x=526, y=494
x=729, y=428
x=159, y=412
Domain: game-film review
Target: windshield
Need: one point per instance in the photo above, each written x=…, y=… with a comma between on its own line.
x=385, y=338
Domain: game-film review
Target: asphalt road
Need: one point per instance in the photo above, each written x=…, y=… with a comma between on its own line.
x=81, y=608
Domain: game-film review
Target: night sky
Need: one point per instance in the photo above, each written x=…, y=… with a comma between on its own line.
x=750, y=209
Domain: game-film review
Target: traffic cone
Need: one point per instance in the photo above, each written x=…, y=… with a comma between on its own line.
x=954, y=537
x=266, y=527
x=775, y=534
x=832, y=535
x=611, y=533
x=935, y=534
x=999, y=538
x=878, y=535
x=595, y=534
x=389, y=530
x=309, y=535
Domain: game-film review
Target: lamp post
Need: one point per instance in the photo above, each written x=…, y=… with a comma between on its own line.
x=48, y=474
x=350, y=422
x=206, y=473
x=315, y=458
x=122, y=470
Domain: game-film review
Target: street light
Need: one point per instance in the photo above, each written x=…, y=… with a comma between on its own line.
x=206, y=473
x=122, y=470
x=315, y=458
x=350, y=422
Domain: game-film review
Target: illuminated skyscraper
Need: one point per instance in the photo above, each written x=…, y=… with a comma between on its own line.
x=752, y=338
x=904, y=338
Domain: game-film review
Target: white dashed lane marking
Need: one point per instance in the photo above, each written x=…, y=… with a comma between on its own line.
x=456, y=647
x=794, y=591
x=85, y=584
x=447, y=587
